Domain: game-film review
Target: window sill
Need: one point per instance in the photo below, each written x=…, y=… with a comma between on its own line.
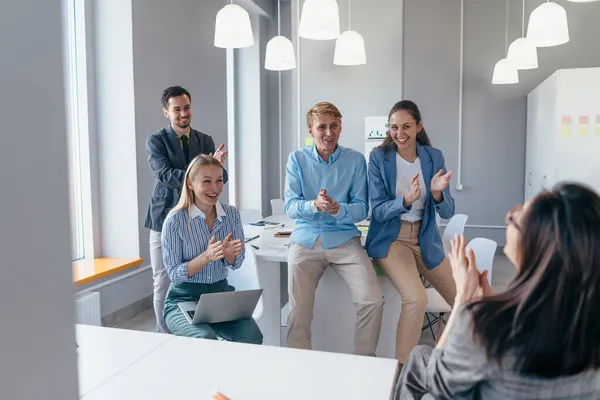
x=91, y=270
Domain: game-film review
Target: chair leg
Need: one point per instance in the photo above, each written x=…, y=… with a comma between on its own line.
x=429, y=324
x=440, y=328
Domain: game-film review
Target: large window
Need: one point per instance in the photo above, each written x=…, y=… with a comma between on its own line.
x=77, y=135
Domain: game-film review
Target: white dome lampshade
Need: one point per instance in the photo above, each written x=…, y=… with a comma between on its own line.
x=505, y=73
x=232, y=28
x=522, y=54
x=350, y=49
x=320, y=20
x=280, y=54
x=548, y=25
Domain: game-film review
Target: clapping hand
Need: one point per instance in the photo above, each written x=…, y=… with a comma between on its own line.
x=414, y=193
x=232, y=248
x=440, y=181
x=215, y=251
x=324, y=203
x=220, y=154
x=470, y=284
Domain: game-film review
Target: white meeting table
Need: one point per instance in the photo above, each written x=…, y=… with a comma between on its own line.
x=127, y=365
x=270, y=253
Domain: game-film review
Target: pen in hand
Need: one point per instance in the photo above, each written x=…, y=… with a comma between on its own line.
x=256, y=247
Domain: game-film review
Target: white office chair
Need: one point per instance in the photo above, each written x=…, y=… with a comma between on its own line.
x=437, y=306
x=246, y=278
x=248, y=216
x=456, y=226
x=277, y=206
x=485, y=250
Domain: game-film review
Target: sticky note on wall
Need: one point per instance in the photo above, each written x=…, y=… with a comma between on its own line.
x=309, y=141
x=566, y=125
x=597, y=125
x=584, y=126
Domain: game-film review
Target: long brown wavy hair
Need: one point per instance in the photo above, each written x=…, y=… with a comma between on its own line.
x=548, y=317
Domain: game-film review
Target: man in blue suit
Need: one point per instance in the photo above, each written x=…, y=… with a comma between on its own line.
x=170, y=150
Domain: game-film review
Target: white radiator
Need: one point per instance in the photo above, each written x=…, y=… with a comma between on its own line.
x=87, y=309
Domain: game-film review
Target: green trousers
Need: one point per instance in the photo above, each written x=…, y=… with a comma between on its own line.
x=242, y=330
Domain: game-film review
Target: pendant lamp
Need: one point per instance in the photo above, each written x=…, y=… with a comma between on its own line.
x=280, y=50
x=522, y=53
x=232, y=28
x=548, y=25
x=504, y=71
x=320, y=20
x=350, y=46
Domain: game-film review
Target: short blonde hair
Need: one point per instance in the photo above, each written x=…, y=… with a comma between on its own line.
x=321, y=108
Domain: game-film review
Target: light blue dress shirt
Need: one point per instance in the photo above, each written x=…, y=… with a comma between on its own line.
x=344, y=177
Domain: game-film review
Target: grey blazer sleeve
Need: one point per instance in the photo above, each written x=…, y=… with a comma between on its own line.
x=160, y=164
x=455, y=371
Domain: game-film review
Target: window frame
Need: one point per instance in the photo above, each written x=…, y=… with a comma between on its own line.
x=80, y=171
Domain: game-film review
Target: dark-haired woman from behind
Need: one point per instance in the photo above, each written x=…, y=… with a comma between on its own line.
x=539, y=339
x=408, y=184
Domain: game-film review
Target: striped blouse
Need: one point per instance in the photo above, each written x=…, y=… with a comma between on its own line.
x=184, y=240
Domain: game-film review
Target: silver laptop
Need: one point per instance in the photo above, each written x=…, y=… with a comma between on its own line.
x=213, y=308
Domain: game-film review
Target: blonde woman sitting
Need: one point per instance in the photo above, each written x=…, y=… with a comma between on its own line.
x=201, y=240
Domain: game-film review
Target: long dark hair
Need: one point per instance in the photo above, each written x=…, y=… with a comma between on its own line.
x=411, y=108
x=548, y=317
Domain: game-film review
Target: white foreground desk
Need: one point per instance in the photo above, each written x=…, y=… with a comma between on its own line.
x=128, y=365
x=186, y=368
x=105, y=352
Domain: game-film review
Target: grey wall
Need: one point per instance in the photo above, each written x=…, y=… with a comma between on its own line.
x=358, y=91
x=36, y=290
x=493, y=116
x=173, y=45
x=423, y=66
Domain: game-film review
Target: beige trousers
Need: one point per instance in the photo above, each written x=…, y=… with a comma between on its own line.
x=402, y=266
x=351, y=263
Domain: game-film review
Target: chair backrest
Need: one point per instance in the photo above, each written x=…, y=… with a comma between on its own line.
x=277, y=206
x=246, y=278
x=456, y=226
x=249, y=215
x=485, y=251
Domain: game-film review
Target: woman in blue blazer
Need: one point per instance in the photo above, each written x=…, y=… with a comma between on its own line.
x=408, y=184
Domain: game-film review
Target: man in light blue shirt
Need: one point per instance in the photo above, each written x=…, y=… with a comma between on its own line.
x=326, y=193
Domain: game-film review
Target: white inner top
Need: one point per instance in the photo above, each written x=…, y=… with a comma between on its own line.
x=404, y=174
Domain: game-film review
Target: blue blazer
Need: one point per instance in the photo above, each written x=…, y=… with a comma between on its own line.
x=386, y=208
